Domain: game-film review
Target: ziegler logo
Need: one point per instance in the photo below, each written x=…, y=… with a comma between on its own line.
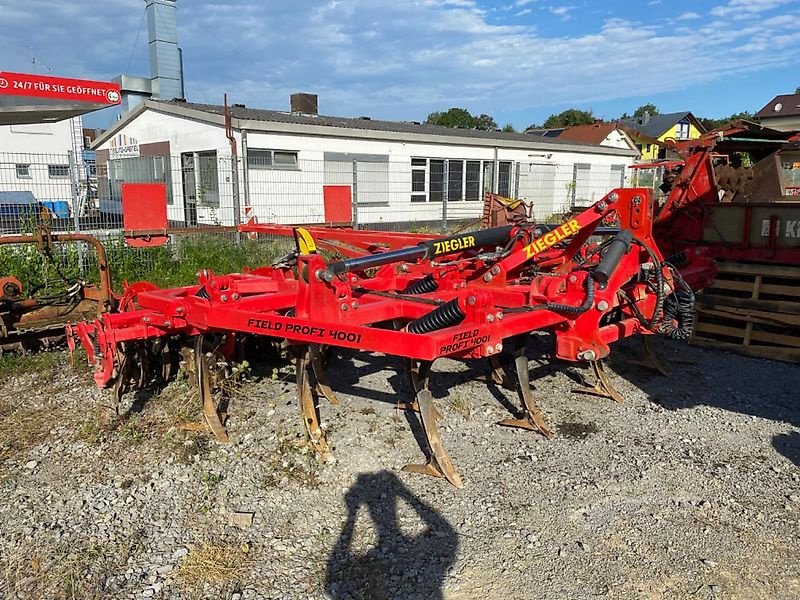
x=447, y=246
x=551, y=238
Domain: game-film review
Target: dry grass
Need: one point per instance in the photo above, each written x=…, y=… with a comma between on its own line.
x=214, y=564
x=293, y=460
x=61, y=570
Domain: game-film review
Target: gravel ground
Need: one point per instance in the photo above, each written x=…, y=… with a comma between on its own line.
x=690, y=489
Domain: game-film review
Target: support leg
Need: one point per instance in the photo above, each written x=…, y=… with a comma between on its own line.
x=203, y=374
x=603, y=386
x=439, y=463
x=532, y=418
x=323, y=387
x=308, y=408
x=497, y=374
x=651, y=360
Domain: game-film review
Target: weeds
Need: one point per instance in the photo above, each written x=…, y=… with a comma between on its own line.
x=167, y=266
x=461, y=405
x=294, y=460
x=40, y=363
x=214, y=564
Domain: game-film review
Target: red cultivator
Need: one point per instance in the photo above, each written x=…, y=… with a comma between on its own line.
x=589, y=282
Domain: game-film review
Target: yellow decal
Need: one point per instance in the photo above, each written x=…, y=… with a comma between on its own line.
x=447, y=246
x=551, y=238
x=305, y=243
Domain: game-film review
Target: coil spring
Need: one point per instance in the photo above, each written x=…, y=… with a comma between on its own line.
x=678, y=319
x=290, y=313
x=445, y=315
x=425, y=285
x=203, y=293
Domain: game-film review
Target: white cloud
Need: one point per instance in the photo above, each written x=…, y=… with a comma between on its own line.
x=747, y=8
x=401, y=59
x=687, y=16
x=560, y=11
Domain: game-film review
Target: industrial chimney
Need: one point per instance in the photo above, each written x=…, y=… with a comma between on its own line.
x=166, y=68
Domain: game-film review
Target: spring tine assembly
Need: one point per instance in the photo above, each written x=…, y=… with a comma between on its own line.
x=308, y=408
x=651, y=360
x=439, y=463
x=497, y=374
x=323, y=387
x=532, y=418
x=204, y=385
x=603, y=386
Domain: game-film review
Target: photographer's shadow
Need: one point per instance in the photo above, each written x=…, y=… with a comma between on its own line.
x=399, y=565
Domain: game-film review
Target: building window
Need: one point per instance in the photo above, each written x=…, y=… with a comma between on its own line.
x=473, y=180
x=23, y=171
x=419, y=179
x=617, y=176
x=58, y=171
x=504, y=179
x=682, y=130
x=455, y=180
x=271, y=159
x=466, y=179
x=436, y=181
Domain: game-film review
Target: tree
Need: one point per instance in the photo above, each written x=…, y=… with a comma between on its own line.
x=648, y=108
x=509, y=128
x=455, y=117
x=797, y=91
x=568, y=118
x=484, y=122
x=710, y=124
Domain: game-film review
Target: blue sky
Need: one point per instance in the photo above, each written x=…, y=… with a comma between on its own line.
x=518, y=60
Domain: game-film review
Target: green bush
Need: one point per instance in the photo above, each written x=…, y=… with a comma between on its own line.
x=172, y=265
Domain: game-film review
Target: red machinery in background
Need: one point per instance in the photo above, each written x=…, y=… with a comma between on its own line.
x=742, y=212
x=588, y=282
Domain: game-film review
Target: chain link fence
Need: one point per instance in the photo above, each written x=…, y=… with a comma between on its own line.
x=207, y=192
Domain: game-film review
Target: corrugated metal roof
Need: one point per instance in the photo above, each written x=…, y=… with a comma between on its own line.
x=365, y=123
x=362, y=128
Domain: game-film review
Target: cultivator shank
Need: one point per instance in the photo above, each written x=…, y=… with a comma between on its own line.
x=471, y=295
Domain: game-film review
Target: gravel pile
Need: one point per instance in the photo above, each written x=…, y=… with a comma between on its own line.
x=690, y=489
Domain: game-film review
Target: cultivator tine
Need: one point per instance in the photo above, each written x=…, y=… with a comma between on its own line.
x=532, y=418
x=308, y=408
x=439, y=463
x=603, y=386
x=651, y=360
x=122, y=381
x=323, y=387
x=204, y=385
x=497, y=375
x=419, y=381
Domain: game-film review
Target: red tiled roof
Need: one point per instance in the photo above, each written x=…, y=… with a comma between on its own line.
x=588, y=134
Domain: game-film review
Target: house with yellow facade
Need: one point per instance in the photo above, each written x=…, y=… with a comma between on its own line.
x=648, y=129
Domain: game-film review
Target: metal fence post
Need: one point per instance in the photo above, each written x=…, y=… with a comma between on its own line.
x=76, y=209
x=445, y=186
x=355, y=194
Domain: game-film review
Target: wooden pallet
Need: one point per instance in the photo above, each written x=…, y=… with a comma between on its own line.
x=753, y=309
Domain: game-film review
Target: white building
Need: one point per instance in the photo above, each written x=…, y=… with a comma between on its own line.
x=299, y=167
x=35, y=158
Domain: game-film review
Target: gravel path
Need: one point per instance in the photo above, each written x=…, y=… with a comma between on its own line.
x=690, y=489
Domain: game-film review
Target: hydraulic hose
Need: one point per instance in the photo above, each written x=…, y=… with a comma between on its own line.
x=424, y=250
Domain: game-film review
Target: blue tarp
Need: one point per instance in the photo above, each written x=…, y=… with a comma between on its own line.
x=16, y=204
